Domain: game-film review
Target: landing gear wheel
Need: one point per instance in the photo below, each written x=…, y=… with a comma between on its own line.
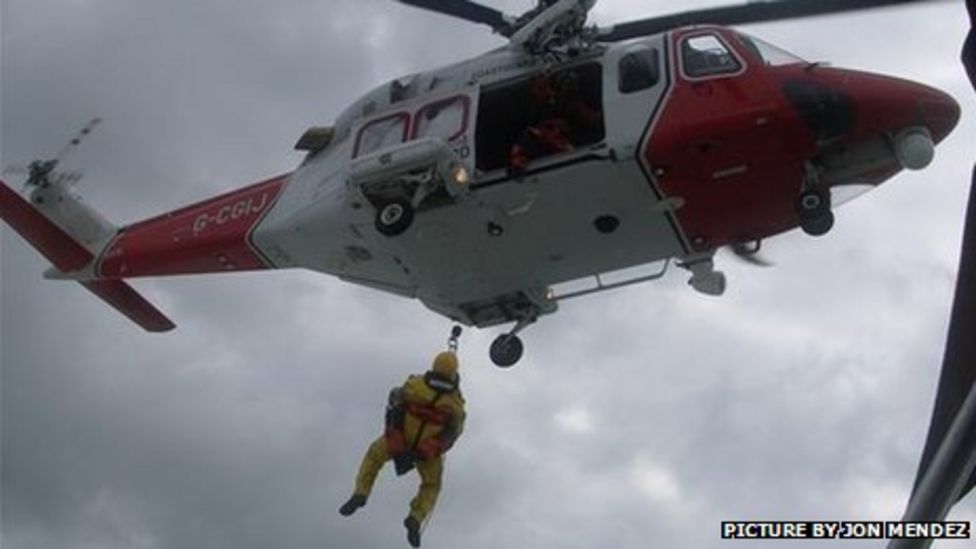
x=813, y=208
x=506, y=350
x=394, y=217
x=818, y=226
x=812, y=202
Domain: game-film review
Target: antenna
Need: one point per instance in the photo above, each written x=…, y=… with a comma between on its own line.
x=76, y=140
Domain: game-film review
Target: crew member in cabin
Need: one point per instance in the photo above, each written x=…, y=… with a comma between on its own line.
x=559, y=119
x=424, y=418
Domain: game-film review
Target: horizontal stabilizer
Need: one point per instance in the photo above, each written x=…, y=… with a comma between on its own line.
x=68, y=255
x=127, y=301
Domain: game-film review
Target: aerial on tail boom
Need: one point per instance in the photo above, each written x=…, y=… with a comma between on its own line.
x=573, y=160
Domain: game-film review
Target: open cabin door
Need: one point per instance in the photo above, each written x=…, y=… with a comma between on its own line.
x=551, y=117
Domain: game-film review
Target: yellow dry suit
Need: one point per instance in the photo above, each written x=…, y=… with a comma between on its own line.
x=425, y=417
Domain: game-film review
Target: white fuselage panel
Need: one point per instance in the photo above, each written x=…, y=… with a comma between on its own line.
x=507, y=235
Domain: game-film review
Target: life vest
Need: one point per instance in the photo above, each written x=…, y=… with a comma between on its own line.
x=433, y=407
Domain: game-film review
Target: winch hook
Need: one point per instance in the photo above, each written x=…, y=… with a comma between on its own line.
x=452, y=342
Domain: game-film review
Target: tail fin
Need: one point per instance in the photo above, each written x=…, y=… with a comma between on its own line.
x=60, y=249
x=68, y=255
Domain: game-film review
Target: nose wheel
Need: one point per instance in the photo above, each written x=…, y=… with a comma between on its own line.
x=813, y=209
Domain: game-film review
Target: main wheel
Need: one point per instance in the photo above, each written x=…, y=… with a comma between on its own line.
x=818, y=225
x=394, y=217
x=813, y=208
x=812, y=202
x=506, y=350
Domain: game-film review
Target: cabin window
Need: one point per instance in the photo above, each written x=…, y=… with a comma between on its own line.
x=706, y=55
x=447, y=119
x=638, y=70
x=564, y=104
x=382, y=133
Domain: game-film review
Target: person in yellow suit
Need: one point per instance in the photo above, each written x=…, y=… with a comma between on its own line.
x=424, y=418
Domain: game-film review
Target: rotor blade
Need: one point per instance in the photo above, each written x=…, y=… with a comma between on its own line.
x=464, y=9
x=77, y=139
x=756, y=12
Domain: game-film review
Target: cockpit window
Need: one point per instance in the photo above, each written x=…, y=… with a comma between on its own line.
x=706, y=55
x=769, y=54
x=639, y=70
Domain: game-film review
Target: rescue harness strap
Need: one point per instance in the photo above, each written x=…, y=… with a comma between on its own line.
x=423, y=421
x=427, y=413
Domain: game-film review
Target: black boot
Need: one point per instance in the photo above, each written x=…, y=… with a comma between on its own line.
x=354, y=503
x=413, y=531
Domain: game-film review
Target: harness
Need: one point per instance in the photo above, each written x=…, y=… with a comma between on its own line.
x=428, y=413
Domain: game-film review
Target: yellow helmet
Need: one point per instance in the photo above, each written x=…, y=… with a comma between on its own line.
x=445, y=365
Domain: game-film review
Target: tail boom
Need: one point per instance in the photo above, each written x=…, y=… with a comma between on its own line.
x=207, y=237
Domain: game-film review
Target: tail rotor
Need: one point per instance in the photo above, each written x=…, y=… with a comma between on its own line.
x=41, y=173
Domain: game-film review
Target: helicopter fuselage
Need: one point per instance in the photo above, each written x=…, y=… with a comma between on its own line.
x=688, y=159
x=664, y=147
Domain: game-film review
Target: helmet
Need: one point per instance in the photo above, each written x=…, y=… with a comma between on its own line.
x=445, y=365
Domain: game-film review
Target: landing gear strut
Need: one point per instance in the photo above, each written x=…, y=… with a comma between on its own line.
x=813, y=204
x=507, y=349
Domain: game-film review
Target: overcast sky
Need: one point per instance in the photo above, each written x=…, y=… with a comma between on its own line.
x=638, y=418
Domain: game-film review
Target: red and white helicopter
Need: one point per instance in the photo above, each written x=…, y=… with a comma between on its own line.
x=698, y=137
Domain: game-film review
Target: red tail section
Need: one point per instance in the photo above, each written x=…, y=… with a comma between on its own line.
x=211, y=236
x=67, y=255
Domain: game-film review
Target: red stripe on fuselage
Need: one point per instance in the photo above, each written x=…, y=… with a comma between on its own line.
x=731, y=149
x=735, y=148
x=211, y=236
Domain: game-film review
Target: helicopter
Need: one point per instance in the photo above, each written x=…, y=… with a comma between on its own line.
x=572, y=160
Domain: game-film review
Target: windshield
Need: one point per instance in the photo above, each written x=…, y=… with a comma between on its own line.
x=768, y=53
